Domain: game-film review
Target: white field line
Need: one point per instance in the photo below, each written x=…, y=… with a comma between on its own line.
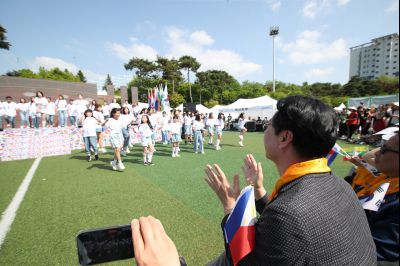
x=9, y=214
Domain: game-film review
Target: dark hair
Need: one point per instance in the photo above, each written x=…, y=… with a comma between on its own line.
x=97, y=106
x=8, y=97
x=312, y=123
x=123, y=110
x=114, y=111
x=241, y=116
x=148, y=121
x=37, y=93
x=210, y=114
x=22, y=99
x=62, y=96
x=220, y=116
x=49, y=98
x=87, y=111
x=198, y=118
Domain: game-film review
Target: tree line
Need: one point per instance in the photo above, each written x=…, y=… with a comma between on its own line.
x=52, y=74
x=214, y=87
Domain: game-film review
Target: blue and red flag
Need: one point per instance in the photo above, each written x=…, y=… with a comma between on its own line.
x=333, y=153
x=240, y=226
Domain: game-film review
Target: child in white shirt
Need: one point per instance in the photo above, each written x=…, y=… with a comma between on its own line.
x=115, y=125
x=23, y=108
x=146, y=131
x=50, y=112
x=175, y=135
x=198, y=128
x=89, y=125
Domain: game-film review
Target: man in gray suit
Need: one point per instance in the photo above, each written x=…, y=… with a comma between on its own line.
x=312, y=217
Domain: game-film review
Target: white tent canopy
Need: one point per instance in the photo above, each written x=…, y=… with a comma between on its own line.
x=263, y=106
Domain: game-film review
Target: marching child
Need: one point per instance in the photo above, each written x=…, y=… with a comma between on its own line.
x=219, y=126
x=146, y=131
x=241, y=127
x=98, y=114
x=198, y=127
x=164, y=127
x=115, y=125
x=89, y=125
x=210, y=127
x=175, y=135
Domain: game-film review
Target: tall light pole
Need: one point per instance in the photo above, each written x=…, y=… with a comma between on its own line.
x=273, y=31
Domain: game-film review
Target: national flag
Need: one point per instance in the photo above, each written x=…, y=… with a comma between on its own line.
x=149, y=97
x=165, y=98
x=240, y=226
x=333, y=153
x=159, y=98
x=156, y=103
x=374, y=201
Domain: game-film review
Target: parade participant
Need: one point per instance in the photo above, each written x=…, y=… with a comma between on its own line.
x=175, y=135
x=23, y=108
x=241, y=127
x=198, y=128
x=61, y=104
x=146, y=131
x=127, y=119
x=50, y=112
x=89, y=125
x=41, y=103
x=115, y=125
x=219, y=126
x=98, y=115
x=210, y=128
x=72, y=113
x=10, y=112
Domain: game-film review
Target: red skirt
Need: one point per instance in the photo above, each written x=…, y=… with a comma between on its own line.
x=379, y=125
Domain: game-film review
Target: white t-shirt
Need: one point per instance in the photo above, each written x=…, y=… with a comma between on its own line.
x=115, y=126
x=99, y=116
x=114, y=105
x=241, y=123
x=105, y=109
x=219, y=124
x=81, y=106
x=72, y=110
x=51, y=108
x=127, y=119
x=145, y=131
x=210, y=122
x=198, y=125
x=175, y=128
x=41, y=104
x=165, y=123
x=23, y=107
x=89, y=126
x=1, y=109
x=10, y=109
x=61, y=105
x=32, y=108
x=153, y=120
x=187, y=120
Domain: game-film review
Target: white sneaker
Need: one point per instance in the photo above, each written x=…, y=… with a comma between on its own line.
x=103, y=150
x=202, y=152
x=127, y=150
x=123, y=153
x=173, y=155
x=114, y=165
x=177, y=155
x=241, y=143
x=218, y=148
x=120, y=166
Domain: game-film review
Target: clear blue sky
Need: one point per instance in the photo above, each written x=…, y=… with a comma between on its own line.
x=99, y=37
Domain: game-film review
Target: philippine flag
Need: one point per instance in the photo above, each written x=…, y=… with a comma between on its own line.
x=239, y=228
x=333, y=153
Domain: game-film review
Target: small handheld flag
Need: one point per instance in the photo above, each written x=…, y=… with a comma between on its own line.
x=240, y=226
x=374, y=201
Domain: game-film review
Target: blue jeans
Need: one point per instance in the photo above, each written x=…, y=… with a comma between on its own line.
x=125, y=134
x=50, y=120
x=198, y=139
x=90, y=141
x=35, y=120
x=165, y=136
x=10, y=120
x=62, y=118
x=73, y=120
x=24, y=118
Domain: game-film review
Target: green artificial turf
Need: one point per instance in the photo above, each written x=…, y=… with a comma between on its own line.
x=11, y=176
x=68, y=194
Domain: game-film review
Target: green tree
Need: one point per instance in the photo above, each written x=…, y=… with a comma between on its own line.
x=81, y=76
x=3, y=39
x=176, y=99
x=189, y=63
x=170, y=71
x=217, y=81
x=107, y=82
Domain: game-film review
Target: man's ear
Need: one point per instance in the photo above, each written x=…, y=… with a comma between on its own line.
x=285, y=138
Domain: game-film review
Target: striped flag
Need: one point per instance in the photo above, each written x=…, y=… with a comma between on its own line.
x=333, y=153
x=240, y=226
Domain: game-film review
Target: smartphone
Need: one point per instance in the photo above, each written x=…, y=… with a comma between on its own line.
x=105, y=244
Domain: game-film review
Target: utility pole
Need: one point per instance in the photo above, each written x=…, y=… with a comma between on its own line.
x=273, y=31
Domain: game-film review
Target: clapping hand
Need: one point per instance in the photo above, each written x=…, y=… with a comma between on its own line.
x=216, y=179
x=254, y=175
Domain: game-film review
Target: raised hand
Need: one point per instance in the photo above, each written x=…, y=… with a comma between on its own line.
x=216, y=179
x=151, y=244
x=254, y=175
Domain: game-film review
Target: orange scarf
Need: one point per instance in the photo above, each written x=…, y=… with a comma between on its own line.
x=295, y=171
x=370, y=183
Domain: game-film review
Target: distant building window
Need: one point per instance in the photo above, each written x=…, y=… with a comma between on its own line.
x=386, y=73
x=387, y=62
x=386, y=67
x=388, y=50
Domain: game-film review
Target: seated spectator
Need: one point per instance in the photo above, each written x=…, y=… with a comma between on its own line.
x=312, y=217
x=384, y=223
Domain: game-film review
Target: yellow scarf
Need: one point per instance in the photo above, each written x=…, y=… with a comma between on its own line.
x=370, y=183
x=295, y=171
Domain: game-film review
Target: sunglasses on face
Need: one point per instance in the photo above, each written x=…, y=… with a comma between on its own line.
x=385, y=149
